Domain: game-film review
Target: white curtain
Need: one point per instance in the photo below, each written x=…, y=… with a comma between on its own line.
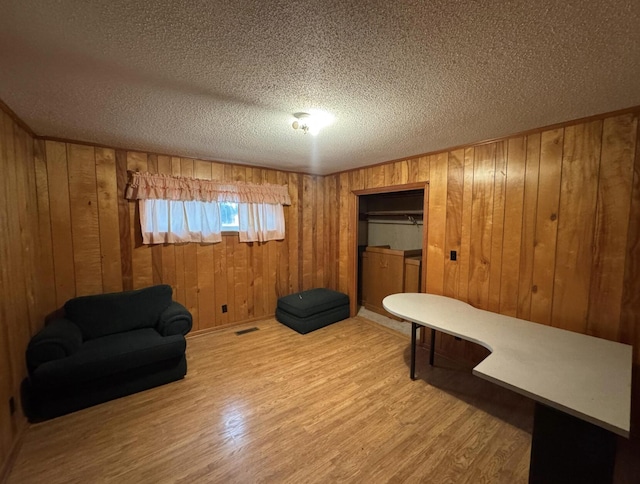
x=260, y=222
x=180, y=209
x=175, y=221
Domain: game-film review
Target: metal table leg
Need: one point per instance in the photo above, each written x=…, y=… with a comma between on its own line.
x=432, y=348
x=414, y=330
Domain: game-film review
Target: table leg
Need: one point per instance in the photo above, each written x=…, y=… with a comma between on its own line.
x=432, y=348
x=567, y=449
x=414, y=330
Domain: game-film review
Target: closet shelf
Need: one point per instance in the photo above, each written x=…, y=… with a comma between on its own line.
x=387, y=213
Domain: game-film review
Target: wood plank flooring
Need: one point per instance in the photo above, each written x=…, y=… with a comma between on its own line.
x=336, y=405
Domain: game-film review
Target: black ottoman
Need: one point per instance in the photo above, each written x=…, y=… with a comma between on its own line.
x=309, y=310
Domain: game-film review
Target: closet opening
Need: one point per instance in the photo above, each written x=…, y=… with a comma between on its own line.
x=390, y=244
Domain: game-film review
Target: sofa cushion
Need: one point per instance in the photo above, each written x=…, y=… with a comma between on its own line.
x=109, y=355
x=106, y=314
x=307, y=303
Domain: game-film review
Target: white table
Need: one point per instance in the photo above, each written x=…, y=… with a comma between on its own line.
x=578, y=375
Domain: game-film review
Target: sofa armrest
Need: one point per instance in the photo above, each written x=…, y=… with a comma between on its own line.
x=58, y=339
x=176, y=319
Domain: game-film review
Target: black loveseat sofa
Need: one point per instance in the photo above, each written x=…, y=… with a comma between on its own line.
x=105, y=347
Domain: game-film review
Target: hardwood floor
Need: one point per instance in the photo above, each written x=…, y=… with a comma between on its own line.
x=335, y=405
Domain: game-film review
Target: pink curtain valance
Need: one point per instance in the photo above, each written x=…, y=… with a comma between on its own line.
x=143, y=186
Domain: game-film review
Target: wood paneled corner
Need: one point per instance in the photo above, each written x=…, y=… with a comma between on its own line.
x=26, y=268
x=545, y=226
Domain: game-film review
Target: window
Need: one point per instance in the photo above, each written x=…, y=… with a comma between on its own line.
x=229, y=216
x=175, y=209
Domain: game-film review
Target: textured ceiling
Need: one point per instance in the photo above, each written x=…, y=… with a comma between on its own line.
x=221, y=79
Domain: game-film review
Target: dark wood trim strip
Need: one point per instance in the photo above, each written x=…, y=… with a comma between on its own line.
x=301, y=229
x=392, y=188
x=126, y=261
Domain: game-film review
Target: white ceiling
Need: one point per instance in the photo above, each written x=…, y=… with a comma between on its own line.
x=221, y=79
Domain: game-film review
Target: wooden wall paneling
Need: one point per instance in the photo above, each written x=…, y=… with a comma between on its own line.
x=356, y=182
x=241, y=280
x=401, y=172
x=455, y=190
x=332, y=221
x=611, y=225
x=11, y=323
x=249, y=287
x=389, y=174
x=239, y=173
x=14, y=326
x=62, y=242
x=576, y=223
x=447, y=344
x=46, y=276
x=335, y=214
x=546, y=228
x=217, y=171
x=107, y=191
x=374, y=176
x=251, y=249
x=220, y=263
x=283, y=277
x=156, y=249
x=124, y=221
x=437, y=220
x=190, y=267
x=179, y=293
x=204, y=256
x=357, y=179
x=343, y=248
x=141, y=263
x=272, y=250
x=424, y=170
x=481, y=225
x=230, y=245
x=497, y=226
x=301, y=229
x=414, y=170
x=307, y=252
x=629, y=329
x=85, y=229
x=292, y=233
x=29, y=229
x=320, y=237
x=267, y=260
x=352, y=254
x=464, y=260
x=512, y=234
x=336, y=226
x=532, y=168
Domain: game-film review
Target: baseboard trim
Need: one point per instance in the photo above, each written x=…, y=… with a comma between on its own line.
x=202, y=332
x=13, y=453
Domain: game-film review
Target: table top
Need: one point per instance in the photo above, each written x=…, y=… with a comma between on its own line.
x=584, y=376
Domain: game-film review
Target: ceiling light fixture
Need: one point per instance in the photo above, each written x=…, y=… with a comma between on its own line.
x=311, y=122
x=303, y=122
